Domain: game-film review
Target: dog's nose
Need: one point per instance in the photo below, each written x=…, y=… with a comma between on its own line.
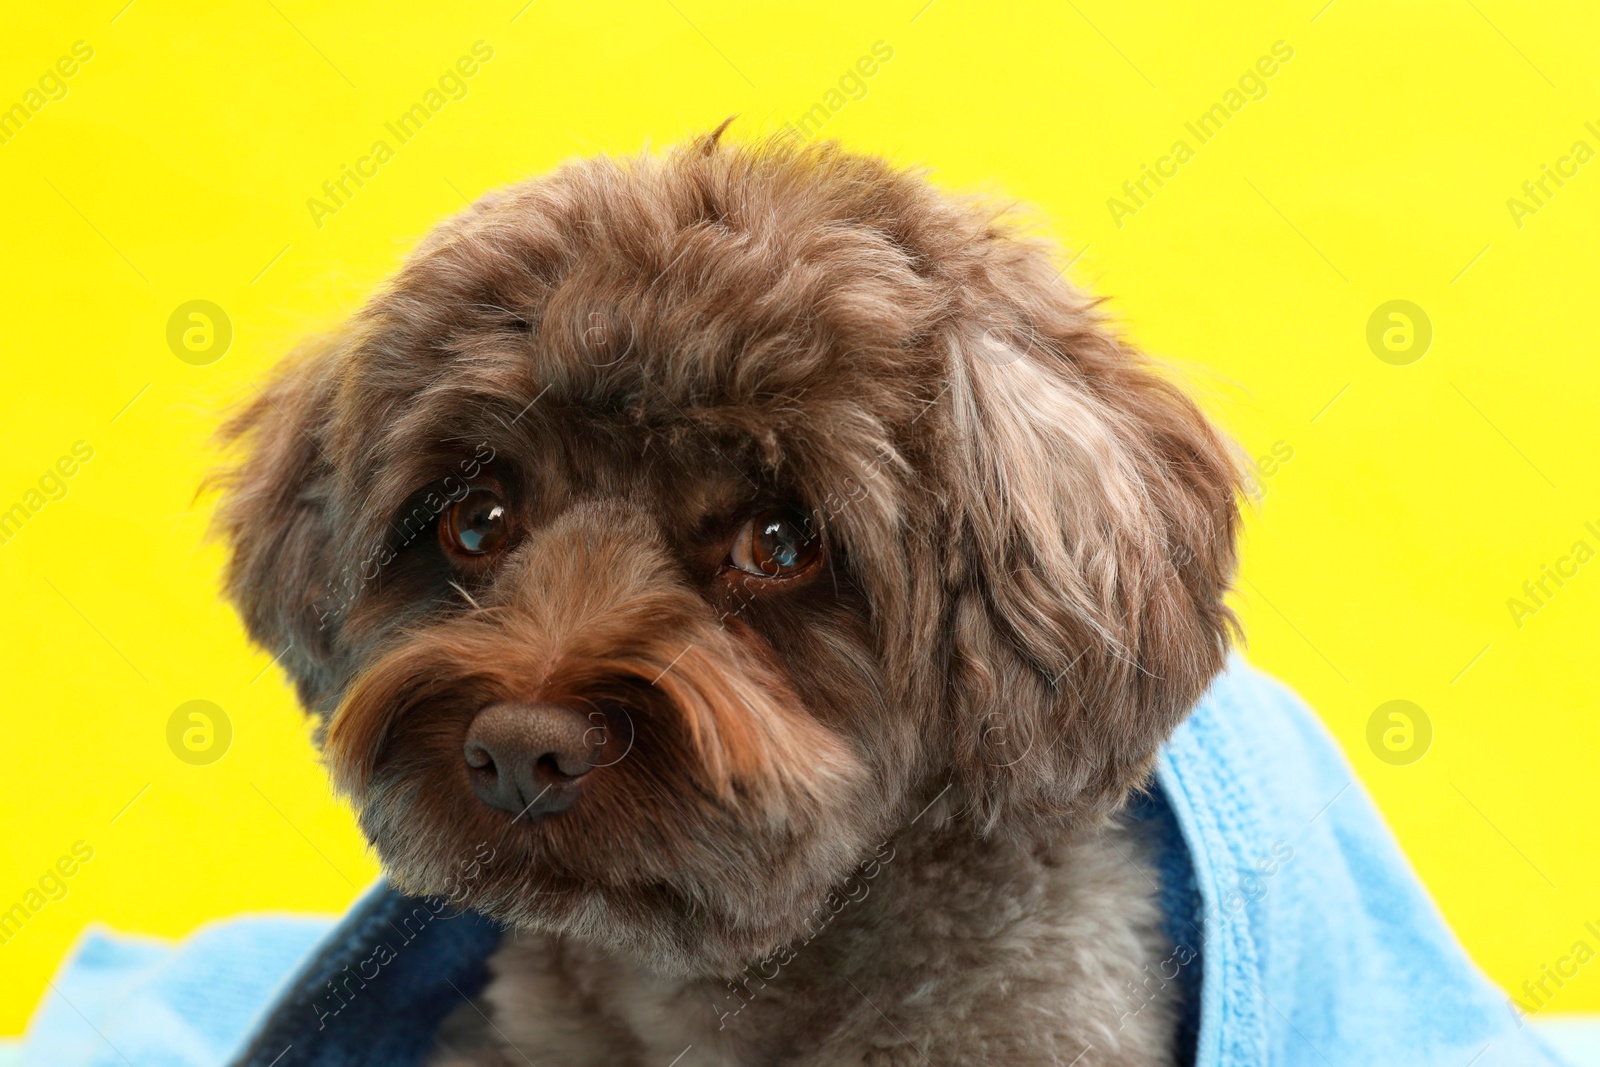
x=529, y=758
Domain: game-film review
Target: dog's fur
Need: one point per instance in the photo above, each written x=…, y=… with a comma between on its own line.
x=867, y=817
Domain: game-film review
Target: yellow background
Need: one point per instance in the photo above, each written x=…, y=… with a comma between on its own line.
x=1378, y=566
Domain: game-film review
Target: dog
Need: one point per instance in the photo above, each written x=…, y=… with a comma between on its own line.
x=779, y=579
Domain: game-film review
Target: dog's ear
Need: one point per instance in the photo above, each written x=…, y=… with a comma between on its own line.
x=1096, y=511
x=274, y=517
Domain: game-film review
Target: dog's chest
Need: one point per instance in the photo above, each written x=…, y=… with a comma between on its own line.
x=971, y=956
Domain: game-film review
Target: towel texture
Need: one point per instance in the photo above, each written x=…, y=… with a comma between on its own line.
x=1320, y=945
x=120, y=1000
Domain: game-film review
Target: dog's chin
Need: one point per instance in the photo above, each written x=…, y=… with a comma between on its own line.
x=705, y=908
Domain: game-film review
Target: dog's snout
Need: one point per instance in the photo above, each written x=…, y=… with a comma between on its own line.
x=530, y=758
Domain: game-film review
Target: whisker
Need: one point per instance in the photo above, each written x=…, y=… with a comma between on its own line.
x=467, y=595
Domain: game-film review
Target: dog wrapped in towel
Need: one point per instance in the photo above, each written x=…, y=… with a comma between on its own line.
x=761, y=615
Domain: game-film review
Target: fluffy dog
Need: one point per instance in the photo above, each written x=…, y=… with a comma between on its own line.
x=785, y=577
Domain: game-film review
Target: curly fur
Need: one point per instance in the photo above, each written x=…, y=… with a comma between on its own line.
x=1028, y=533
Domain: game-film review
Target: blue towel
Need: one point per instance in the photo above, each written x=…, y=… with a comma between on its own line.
x=1322, y=947
x=1309, y=939
x=122, y=1000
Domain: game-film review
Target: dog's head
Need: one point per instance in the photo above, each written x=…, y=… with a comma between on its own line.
x=681, y=528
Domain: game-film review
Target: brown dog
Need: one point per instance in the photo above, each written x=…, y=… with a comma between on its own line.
x=787, y=574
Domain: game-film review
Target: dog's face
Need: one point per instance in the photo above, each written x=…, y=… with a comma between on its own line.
x=682, y=528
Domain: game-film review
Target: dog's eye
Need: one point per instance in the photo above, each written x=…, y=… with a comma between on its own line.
x=476, y=525
x=777, y=542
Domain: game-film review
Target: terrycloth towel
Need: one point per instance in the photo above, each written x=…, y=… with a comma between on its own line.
x=1335, y=954
x=1314, y=942
x=122, y=1000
